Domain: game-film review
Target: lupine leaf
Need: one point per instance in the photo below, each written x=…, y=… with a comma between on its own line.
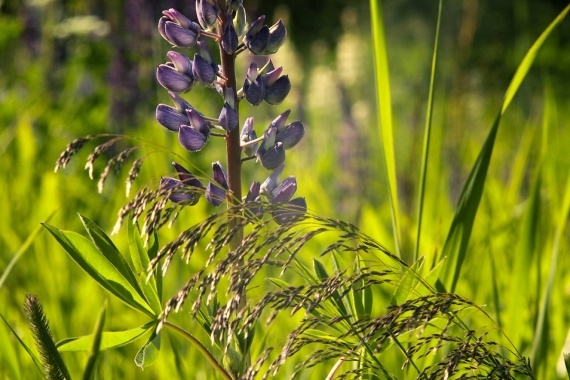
x=141, y=262
x=455, y=247
x=109, y=339
x=88, y=257
x=110, y=251
x=148, y=353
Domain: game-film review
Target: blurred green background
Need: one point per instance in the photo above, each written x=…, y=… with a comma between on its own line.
x=71, y=68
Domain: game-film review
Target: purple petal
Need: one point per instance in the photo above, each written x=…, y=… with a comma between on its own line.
x=172, y=80
x=191, y=139
x=220, y=174
x=291, y=134
x=215, y=194
x=186, y=177
x=272, y=181
x=276, y=93
x=277, y=36
x=285, y=190
x=273, y=157
x=291, y=211
x=256, y=91
x=202, y=70
x=230, y=39
x=253, y=192
x=259, y=42
x=181, y=62
x=268, y=141
x=169, y=117
x=180, y=36
x=228, y=118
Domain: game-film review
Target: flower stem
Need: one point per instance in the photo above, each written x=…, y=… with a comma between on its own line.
x=207, y=354
x=233, y=149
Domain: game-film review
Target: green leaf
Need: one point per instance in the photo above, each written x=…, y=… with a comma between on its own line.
x=148, y=353
x=141, y=262
x=109, y=339
x=455, y=247
x=109, y=250
x=89, y=372
x=88, y=257
x=384, y=103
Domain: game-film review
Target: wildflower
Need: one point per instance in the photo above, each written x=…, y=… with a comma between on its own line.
x=216, y=190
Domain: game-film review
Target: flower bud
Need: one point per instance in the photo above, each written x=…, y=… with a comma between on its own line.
x=253, y=192
x=219, y=174
x=207, y=12
x=279, y=121
x=180, y=36
x=181, y=63
x=214, y=194
x=186, y=177
x=272, y=181
x=180, y=104
x=228, y=118
x=258, y=43
x=268, y=141
x=272, y=75
x=191, y=139
x=169, y=117
x=274, y=157
x=276, y=93
x=284, y=191
x=173, y=15
x=291, y=212
x=179, y=194
x=172, y=80
x=291, y=134
x=202, y=70
x=267, y=68
x=254, y=28
x=277, y=36
x=216, y=191
x=248, y=134
x=256, y=91
x=229, y=39
x=198, y=122
x=240, y=20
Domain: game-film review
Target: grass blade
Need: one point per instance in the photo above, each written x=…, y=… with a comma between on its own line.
x=89, y=372
x=455, y=247
x=427, y=134
x=384, y=103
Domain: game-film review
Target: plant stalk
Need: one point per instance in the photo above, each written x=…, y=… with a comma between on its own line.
x=207, y=354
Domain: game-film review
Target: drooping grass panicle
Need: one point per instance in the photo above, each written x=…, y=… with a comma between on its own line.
x=52, y=361
x=71, y=150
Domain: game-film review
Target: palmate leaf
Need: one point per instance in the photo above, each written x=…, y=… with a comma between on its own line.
x=109, y=339
x=455, y=247
x=101, y=269
x=141, y=260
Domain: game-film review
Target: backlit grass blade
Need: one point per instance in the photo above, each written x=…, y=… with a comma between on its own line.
x=455, y=247
x=427, y=134
x=542, y=336
x=384, y=104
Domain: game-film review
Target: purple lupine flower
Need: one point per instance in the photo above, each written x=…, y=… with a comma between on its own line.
x=178, y=29
x=268, y=141
x=229, y=39
x=277, y=36
x=207, y=12
x=284, y=191
x=169, y=117
x=291, y=134
x=273, y=157
x=272, y=181
x=186, y=177
x=181, y=63
x=191, y=139
x=202, y=70
x=229, y=118
x=278, y=91
x=248, y=134
x=292, y=211
x=216, y=190
x=173, y=80
x=180, y=193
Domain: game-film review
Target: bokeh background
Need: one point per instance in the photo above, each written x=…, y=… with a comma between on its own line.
x=69, y=68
